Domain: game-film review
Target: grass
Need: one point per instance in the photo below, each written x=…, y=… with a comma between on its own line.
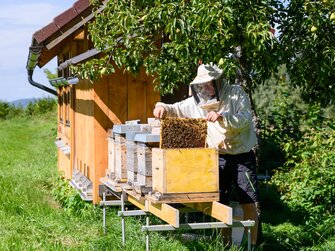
x=31, y=218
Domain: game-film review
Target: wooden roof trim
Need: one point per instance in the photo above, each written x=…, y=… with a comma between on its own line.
x=45, y=32
x=61, y=20
x=79, y=58
x=75, y=27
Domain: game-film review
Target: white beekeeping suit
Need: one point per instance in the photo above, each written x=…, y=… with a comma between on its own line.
x=233, y=133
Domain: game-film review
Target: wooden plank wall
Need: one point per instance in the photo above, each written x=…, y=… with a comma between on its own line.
x=83, y=148
x=117, y=98
x=95, y=108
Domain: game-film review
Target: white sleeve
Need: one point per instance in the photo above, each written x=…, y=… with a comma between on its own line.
x=182, y=109
x=239, y=116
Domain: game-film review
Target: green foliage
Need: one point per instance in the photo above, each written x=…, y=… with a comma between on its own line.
x=278, y=106
x=35, y=107
x=301, y=142
x=168, y=38
x=40, y=106
x=297, y=146
x=308, y=47
x=50, y=75
x=9, y=111
x=94, y=68
x=4, y=109
x=307, y=179
x=70, y=200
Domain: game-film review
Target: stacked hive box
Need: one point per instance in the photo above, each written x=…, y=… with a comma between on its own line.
x=120, y=150
x=145, y=144
x=123, y=156
x=131, y=155
x=110, y=171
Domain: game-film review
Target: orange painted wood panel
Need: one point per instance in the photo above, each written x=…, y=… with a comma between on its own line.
x=101, y=126
x=137, y=92
x=117, y=97
x=152, y=97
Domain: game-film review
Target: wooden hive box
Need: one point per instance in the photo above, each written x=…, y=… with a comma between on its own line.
x=183, y=170
x=121, y=149
x=190, y=172
x=131, y=155
x=110, y=172
x=145, y=143
x=131, y=160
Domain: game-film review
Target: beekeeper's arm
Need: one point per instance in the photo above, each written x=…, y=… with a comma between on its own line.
x=181, y=109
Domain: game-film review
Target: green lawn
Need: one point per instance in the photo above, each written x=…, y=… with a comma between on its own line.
x=30, y=218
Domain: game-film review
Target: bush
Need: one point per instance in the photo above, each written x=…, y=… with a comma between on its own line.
x=70, y=200
x=35, y=107
x=41, y=106
x=8, y=111
x=307, y=179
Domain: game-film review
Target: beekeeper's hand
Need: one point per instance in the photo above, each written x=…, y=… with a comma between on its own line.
x=213, y=116
x=159, y=112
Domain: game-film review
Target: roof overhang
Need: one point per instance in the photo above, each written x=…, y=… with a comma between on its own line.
x=47, y=42
x=54, y=35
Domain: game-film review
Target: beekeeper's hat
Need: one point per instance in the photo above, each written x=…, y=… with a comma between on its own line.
x=207, y=73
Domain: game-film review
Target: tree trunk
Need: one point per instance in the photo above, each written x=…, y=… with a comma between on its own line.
x=248, y=85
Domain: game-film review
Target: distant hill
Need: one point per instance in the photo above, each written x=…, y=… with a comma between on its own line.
x=22, y=102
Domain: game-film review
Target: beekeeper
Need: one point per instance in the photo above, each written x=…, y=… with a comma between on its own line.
x=230, y=130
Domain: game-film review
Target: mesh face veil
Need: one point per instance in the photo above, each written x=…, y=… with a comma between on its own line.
x=206, y=87
x=205, y=93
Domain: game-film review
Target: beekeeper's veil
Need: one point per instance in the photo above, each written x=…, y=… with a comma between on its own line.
x=206, y=86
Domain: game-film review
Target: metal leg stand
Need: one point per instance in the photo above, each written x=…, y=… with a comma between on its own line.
x=122, y=221
x=249, y=238
x=186, y=217
x=203, y=225
x=104, y=213
x=147, y=243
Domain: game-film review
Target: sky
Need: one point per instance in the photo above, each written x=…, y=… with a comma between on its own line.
x=19, y=20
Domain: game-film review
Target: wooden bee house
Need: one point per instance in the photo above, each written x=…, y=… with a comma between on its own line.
x=87, y=111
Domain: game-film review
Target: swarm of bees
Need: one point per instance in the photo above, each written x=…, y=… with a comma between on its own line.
x=183, y=133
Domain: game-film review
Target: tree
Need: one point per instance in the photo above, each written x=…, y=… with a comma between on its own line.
x=308, y=40
x=4, y=109
x=49, y=74
x=169, y=37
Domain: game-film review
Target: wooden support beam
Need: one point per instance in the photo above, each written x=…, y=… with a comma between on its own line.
x=137, y=201
x=165, y=212
x=215, y=209
x=183, y=197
